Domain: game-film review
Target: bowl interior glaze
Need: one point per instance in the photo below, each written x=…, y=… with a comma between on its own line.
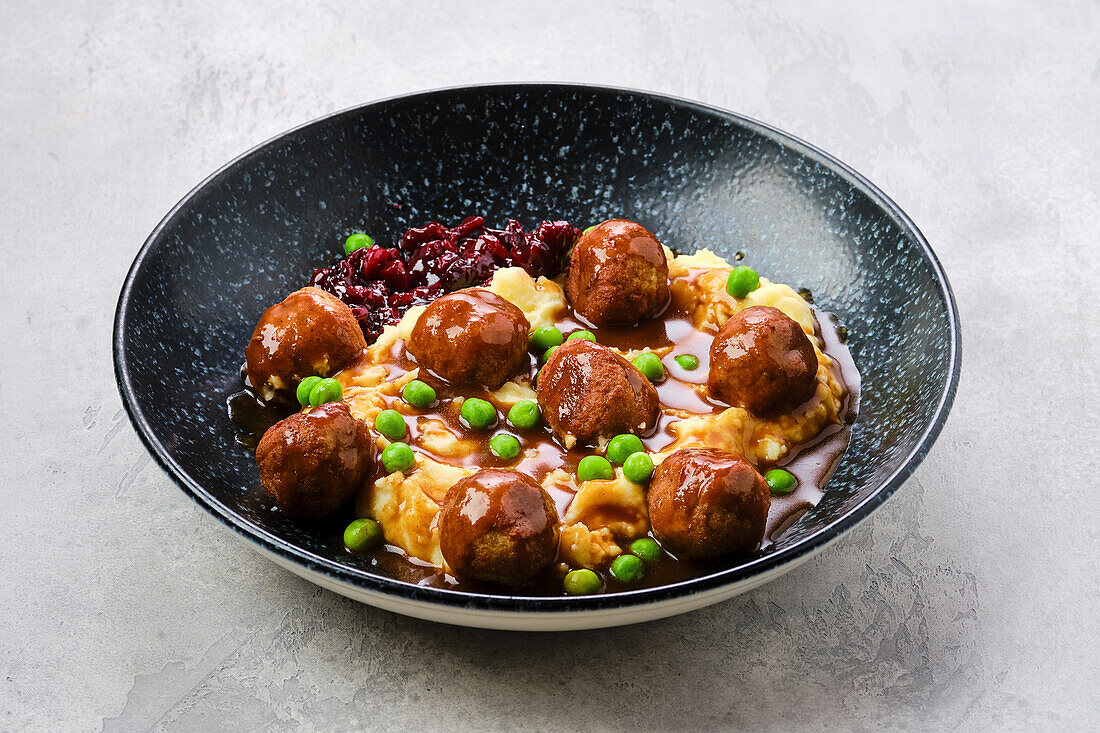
x=696, y=176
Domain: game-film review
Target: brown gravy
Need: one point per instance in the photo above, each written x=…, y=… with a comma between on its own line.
x=811, y=463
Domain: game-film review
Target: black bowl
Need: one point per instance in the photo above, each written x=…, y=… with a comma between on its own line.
x=695, y=175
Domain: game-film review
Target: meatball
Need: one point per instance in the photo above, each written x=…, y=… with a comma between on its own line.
x=471, y=336
x=762, y=360
x=618, y=274
x=310, y=333
x=498, y=525
x=312, y=462
x=587, y=390
x=706, y=503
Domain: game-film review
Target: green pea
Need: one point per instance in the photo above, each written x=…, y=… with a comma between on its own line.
x=478, y=413
x=688, y=361
x=327, y=390
x=586, y=231
x=357, y=241
x=620, y=447
x=638, y=468
x=543, y=337
x=362, y=534
x=594, y=468
x=649, y=364
x=742, y=281
x=581, y=582
x=398, y=457
x=627, y=568
x=524, y=414
x=503, y=445
x=304, y=388
x=418, y=394
x=546, y=354
x=391, y=424
x=646, y=548
x=586, y=335
x=780, y=481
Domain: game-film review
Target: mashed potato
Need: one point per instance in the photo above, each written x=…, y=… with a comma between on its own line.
x=616, y=505
x=541, y=300
x=601, y=514
x=406, y=506
x=698, y=285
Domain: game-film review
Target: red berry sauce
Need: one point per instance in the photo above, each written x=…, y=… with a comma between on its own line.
x=381, y=283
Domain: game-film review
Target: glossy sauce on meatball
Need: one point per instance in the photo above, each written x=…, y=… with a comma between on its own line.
x=587, y=390
x=471, y=337
x=309, y=333
x=312, y=462
x=763, y=361
x=498, y=525
x=706, y=503
x=618, y=274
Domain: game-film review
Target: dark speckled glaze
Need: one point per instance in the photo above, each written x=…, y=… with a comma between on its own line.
x=694, y=175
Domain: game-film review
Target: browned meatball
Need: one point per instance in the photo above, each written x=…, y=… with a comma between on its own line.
x=310, y=333
x=617, y=274
x=706, y=503
x=762, y=360
x=312, y=462
x=472, y=336
x=498, y=525
x=586, y=390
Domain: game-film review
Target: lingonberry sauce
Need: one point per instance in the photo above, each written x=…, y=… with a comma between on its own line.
x=380, y=283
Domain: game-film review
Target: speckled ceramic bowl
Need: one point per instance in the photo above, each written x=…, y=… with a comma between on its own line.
x=695, y=175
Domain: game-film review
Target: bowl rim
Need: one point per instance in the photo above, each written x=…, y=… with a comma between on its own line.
x=540, y=604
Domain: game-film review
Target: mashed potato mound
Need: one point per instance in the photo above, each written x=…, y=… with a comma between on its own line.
x=581, y=547
x=541, y=300
x=407, y=506
x=698, y=285
x=616, y=505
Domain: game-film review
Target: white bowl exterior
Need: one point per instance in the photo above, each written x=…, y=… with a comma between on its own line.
x=572, y=620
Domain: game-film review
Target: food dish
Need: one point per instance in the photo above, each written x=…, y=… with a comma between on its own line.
x=604, y=416
x=700, y=174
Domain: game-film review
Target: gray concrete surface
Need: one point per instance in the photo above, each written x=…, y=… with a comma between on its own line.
x=968, y=602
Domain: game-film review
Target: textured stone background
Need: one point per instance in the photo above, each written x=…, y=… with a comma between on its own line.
x=968, y=601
